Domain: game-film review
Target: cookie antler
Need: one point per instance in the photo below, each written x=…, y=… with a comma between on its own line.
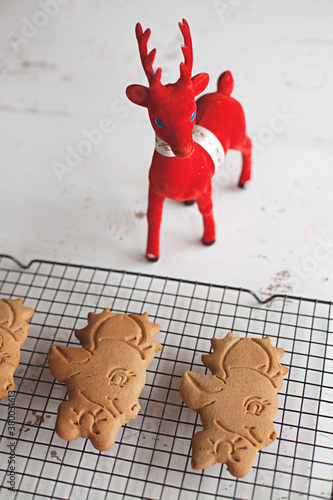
x=258, y=354
x=135, y=329
x=146, y=343
x=214, y=361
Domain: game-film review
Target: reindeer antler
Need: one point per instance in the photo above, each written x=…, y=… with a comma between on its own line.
x=147, y=59
x=186, y=67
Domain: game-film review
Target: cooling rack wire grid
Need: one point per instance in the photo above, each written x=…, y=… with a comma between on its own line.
x=151, y=457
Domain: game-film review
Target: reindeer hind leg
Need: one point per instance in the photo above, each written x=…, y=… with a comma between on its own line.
x=246, y=150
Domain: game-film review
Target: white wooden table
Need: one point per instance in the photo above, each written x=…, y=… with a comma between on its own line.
x=63, y=73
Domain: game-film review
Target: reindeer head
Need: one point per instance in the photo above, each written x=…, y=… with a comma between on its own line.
x=171, y=107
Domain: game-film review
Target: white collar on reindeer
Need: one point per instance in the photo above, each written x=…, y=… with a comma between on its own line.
x=202, y=136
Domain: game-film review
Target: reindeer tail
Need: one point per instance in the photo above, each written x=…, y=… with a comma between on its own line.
x=225, y=83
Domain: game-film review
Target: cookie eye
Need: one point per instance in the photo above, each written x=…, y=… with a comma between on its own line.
x=120, y=377
x=255, y=406
x=159, y=123
x=193, y=116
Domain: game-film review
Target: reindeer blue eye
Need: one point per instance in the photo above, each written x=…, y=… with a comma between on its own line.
x=159, y=123
x=193, y=116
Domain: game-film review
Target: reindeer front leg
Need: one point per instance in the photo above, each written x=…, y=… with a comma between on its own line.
x=205, y=205
x=154, y=216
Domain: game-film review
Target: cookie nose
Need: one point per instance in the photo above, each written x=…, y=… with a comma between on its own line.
x=273, y=436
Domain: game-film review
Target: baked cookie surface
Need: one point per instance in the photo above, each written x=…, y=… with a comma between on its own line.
x=105, y=377
x=236, y=404
x=14, y=329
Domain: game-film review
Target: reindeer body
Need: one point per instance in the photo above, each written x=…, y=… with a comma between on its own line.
x=182, y=167
x=224, y=116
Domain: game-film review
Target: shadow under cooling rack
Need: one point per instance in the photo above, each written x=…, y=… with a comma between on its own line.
x=151, y=457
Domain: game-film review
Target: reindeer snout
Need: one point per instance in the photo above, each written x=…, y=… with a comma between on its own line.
x=184, y=153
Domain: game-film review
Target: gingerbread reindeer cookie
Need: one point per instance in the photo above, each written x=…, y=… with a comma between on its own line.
x=236, y=404
x=14, y=329
x=105, y=377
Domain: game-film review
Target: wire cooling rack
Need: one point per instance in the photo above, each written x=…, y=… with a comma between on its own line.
x=151, y=457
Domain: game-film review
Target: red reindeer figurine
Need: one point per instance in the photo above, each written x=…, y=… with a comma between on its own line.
x=192, y=137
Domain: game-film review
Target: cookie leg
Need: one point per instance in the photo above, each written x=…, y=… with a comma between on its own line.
x=87, y=421
x=207, y=450
x=6, y=386
x=6, y=373
x=104, y=431
x=68, y=422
